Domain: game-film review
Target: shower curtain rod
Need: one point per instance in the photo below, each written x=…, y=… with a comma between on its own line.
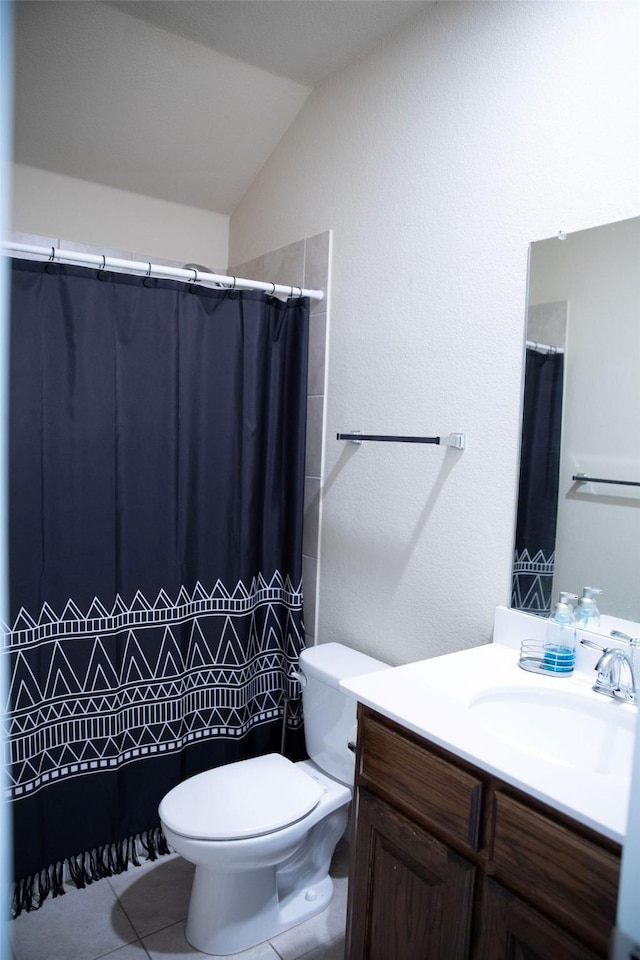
x=544, y=347
x=154, y=270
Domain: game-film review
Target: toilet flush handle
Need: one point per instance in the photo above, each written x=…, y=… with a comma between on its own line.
x=300, y=677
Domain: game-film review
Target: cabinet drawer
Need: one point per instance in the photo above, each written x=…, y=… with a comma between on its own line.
x=555, y=867
x=419, y=782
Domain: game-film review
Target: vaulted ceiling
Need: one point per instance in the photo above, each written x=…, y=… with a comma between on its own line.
x=183, y=100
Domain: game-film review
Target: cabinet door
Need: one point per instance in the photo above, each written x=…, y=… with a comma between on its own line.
x=561, y=871
x=512, y=930
x=411, y=896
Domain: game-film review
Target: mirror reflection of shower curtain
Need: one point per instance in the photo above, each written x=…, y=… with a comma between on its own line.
x=538, y=490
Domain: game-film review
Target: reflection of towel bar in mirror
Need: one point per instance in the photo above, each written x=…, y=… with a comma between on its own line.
x=455, y=440
x=583, y=478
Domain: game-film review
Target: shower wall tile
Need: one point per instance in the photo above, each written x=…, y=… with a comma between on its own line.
x=316, y=267
x=313, y=453
x=251, y=270
x=305, y=264
x=311, y=530
x=317, y=354
x=547, y=323
x=310, y=581
x=316, y=277
x=286, y=265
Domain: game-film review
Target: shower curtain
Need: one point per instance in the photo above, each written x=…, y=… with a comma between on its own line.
x=538, y=489
x=157, y=436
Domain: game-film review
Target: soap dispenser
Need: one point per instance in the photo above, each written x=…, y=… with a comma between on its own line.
x=586, y=612
x=560, y=639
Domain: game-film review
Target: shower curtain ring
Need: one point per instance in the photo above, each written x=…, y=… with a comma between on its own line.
x=273, y=292
x=234, y=283
x=148, y=274
x=104, y=262
x=52, y=255
x=195, y=275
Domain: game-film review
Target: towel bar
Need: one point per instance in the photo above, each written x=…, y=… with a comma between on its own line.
x=455, y=440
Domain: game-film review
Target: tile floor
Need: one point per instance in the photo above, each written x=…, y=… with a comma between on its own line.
x=140, y=915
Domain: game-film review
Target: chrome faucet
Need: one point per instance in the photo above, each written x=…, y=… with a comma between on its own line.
x=616, y=676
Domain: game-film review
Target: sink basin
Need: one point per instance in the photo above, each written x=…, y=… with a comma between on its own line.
x=586, y=733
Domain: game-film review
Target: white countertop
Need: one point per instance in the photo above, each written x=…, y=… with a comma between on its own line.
x=438, y=699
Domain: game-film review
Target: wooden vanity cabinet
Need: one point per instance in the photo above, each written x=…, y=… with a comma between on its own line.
x=449, y=863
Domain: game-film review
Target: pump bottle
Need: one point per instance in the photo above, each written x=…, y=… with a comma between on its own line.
x=560, y=639
x=586, y=612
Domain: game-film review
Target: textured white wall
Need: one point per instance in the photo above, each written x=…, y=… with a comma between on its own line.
x=53, y=205
x=436, y=160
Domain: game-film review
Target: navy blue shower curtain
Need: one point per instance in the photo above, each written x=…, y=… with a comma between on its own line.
x=157, y=436
x=535, y=545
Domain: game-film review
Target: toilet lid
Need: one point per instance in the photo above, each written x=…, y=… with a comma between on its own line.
x=239, y=800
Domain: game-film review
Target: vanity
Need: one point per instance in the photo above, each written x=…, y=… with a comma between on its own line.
x=490, y=806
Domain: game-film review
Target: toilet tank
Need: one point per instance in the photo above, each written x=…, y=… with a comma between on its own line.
x=329, y=713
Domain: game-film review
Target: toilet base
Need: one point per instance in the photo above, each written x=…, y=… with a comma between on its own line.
x=243, y=928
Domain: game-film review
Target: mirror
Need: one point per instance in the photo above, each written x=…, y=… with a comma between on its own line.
x=581, y=415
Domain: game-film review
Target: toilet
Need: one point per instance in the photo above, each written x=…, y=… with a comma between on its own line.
x=262, y=832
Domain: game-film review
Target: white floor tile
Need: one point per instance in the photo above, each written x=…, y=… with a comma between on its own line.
x=331, y=951
x=171, y=944
x=133, y=951
x=81, y=925
x=155, y=895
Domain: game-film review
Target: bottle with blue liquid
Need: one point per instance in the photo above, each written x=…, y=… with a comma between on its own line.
x=560, y=639
x=586, y=612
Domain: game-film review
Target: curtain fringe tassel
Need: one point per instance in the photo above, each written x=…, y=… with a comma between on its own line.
x=107, y=861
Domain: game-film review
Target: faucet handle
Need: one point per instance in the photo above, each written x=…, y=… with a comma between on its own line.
x=594, y=645
x=619, y=635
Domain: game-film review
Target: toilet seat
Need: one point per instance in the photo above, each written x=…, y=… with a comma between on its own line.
x=240, y=800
